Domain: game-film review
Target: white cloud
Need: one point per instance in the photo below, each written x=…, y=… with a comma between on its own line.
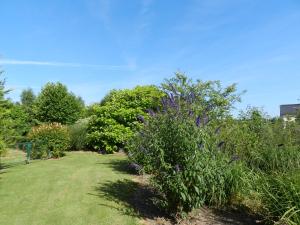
x=128, y=66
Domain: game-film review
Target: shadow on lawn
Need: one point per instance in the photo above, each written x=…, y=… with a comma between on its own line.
x=137, y=198
x=7, y=165
x=2, y=171
x=120, y=166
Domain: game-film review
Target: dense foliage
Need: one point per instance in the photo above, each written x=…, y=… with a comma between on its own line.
x=271, y=149
x=13, y=120
x=3, y=115
x=56, y=104
x=262, y=144
x=49, y=140
x=181, y=133
x=208, y=99
x=20, y=122
x=78, y=134
x=280, y=197
x=114, y=121
x=198, y=154
x=185, y=161
x=28, y=100
x=179, y=146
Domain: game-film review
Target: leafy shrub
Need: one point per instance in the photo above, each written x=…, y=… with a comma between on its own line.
x=49, y=140
x=182, y=150
x=114, y=121
x=107, y=134
x=78, y=132
x=186, y=165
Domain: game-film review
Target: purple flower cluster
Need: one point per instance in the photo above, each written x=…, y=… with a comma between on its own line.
x=141, y=118
x=177, y=168
x=198, y=121
x=169, y=102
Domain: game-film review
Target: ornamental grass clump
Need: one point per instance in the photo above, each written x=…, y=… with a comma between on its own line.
x=280, y=196
x=78, y=134
x=271, y=150
x=264, y=145
x=49, y=140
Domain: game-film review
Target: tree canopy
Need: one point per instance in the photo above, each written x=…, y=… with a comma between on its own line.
x=4, y=114
x=56, y=104
x=116, y=118
x=27, y=97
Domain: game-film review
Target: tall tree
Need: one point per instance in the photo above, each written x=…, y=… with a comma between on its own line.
x=27, y=97
x=56, y=104
x=4, y=112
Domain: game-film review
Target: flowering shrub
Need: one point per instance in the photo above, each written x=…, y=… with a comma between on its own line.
x=186, y=164
x=49, y=140
x=180, y=147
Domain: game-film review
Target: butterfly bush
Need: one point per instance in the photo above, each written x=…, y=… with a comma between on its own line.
x=179, y=146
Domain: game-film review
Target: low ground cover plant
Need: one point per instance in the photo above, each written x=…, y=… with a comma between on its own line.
x=49, y=140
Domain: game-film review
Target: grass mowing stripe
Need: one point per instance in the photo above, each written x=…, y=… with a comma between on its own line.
x=63, y=191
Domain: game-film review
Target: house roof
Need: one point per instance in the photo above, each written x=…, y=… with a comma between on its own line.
x=290, y=109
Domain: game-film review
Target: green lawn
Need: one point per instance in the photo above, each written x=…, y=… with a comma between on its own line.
x=75, y=190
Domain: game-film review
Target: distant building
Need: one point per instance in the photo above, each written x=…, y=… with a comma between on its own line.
x=289, y=112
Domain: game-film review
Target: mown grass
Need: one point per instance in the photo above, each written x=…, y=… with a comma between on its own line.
x=62, y=191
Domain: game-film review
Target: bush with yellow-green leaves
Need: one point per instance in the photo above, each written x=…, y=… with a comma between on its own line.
x=49, y=140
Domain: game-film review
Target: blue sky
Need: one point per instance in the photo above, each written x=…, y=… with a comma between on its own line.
x=96, y=45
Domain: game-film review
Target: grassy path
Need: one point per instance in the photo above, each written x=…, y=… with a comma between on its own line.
x=64, y=191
